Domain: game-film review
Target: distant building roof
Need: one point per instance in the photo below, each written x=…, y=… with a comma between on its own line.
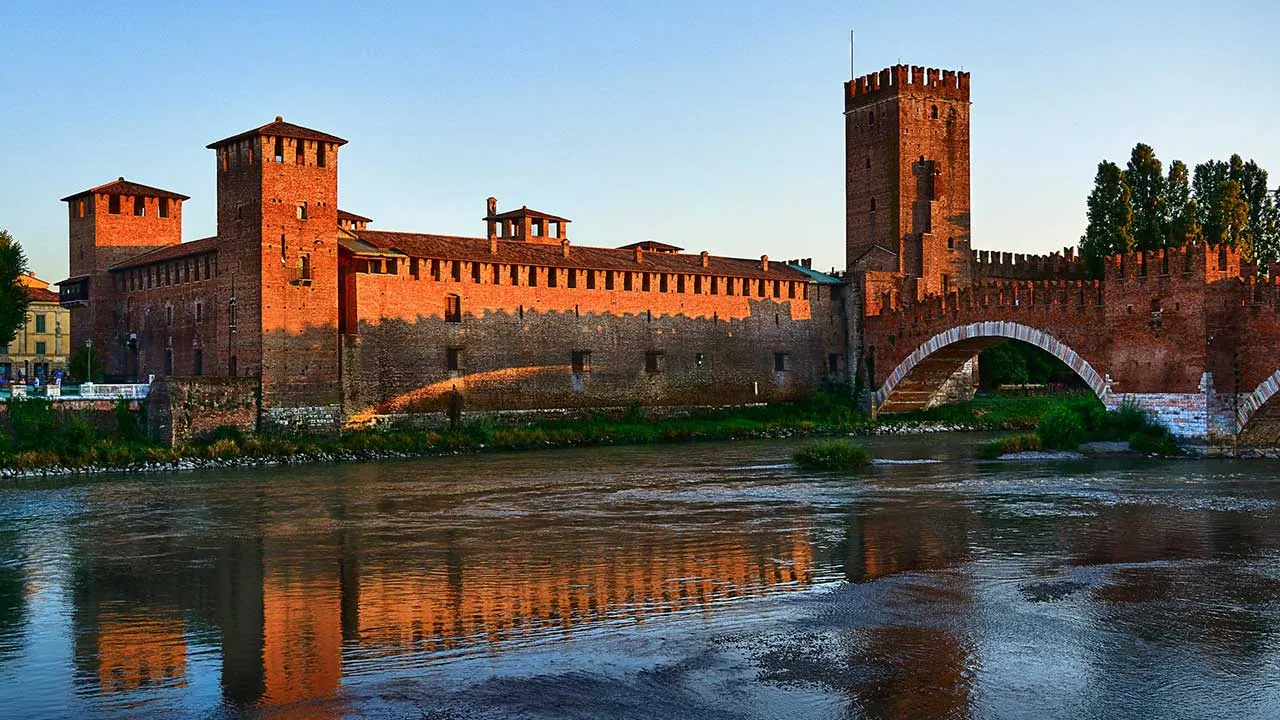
x=518, y=252
x=526, y=212
x=280, y=128
x=168, y=252
x=652, y=246
x=41, y=294
x=817, y=276
x=344, y=215
x=120, y=186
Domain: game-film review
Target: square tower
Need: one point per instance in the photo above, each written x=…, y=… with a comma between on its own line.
x=907, y=175
x=110, y=224
x=278, y=265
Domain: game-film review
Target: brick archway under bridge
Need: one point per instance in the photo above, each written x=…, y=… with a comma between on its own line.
x=1258, y=414
x=922, y=376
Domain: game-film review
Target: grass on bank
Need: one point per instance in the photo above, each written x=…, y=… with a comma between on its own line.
x=832, y=455
x=1065, y=425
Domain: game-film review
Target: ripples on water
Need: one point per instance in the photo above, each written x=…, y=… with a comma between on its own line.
x=702, y=581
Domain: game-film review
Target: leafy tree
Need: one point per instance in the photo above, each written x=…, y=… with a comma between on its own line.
x=13, y=296
x=1266, y=244
x=1253, y=188
x=1179, y=207
x=1110, y=228
x=1144, y=177
x=1229, y=218
x=86, y=364
x=1207, y=187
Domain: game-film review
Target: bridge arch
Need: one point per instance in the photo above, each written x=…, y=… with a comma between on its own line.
x=1258, y=415
x=960, y=343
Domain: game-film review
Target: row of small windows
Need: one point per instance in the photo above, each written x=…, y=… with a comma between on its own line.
x=175, y=272
x=232, y=154
x=654, y=361
x=573, y=278
x=870, y=115
x=115, y=203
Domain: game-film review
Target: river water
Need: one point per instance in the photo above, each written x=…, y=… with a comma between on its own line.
x=699, y=581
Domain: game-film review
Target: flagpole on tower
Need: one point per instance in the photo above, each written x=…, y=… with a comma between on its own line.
x=852, y=73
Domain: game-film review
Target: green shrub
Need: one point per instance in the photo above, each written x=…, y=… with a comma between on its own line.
x=832, y=455
x=1061, y=428
x=224, y=449
x=1154, y=441
x=1025, y=442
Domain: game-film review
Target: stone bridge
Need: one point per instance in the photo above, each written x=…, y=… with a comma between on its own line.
x=1192, y=335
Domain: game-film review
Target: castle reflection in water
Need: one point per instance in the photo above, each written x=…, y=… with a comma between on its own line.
x=289, y=617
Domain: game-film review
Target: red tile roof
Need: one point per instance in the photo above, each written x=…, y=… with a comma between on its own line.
x=526, y=212
x=344, y=215
x=517, y=252
x=169, y=252
x=282, y=129
x=121, y=186
x=37, y=294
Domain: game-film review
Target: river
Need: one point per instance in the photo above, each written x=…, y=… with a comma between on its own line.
x=701, y=581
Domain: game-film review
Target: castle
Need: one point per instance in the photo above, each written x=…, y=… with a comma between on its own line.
x=341, y=323
x=332, y=323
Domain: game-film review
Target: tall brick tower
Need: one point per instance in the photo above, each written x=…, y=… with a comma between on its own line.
x=278, y=267
x=110, y=224
x=907, y=175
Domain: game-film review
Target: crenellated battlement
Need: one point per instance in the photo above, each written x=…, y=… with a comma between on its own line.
x=897, y=79
x=1065, y=265
x=1200, y=260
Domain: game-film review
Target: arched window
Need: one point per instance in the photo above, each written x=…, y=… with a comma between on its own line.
x=452, y=309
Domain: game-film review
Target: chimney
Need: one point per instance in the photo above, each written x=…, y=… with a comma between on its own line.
x=764, y=263
x=493, y=244
x=705, y=263
x=564, y=248
x=639, y=255
x=491, y=209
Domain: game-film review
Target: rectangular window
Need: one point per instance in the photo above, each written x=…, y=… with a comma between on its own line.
x=320, y=150
x=533, y=276
x=40, y=348
x=131, y=286
x=113, y=204
x=653, y=361
x=197, y=362
x=551, y=277
x=453, y=359
x=186, y=271
x=760, y=289
x=608, y=279
x=571, y=276
x=515, y=275
x=475, y=272
x=626, y=281
x=452, y=309
x=497, y=274
x=455, y=270
x=199, y=312
x=714, y=283
x=302, y=211
x=139, y=206
x=780, y=362
x=299, y=152
x=777, y=288
x=697, y=283
x=581, y=362
x=591, y=279
x=728, y=286
x=168, y=314
x=435, y=270
x=413, y=268
x=42, y=323
x=662, y=282
x=791, y=289
x=644, y=282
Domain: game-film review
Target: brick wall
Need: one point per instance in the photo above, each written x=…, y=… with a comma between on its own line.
x=181, y=408
x=515, y=346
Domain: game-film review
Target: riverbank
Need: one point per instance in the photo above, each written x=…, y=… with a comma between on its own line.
x=42, y=447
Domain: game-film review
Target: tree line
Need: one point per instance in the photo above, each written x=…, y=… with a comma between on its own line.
x=1140, y=207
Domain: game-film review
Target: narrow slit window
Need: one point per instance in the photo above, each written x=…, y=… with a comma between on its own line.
x=139, y=206
x=320, y=158
x=299, y=152
x=279, y=150
x=162, y=208
x=452, y=309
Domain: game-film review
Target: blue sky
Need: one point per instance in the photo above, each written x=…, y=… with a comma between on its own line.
x=710, y=125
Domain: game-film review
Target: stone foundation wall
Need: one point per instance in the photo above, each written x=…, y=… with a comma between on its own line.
x=313, y=419
x=180, y=409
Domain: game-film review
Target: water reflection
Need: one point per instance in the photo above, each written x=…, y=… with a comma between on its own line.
x=912, y=591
